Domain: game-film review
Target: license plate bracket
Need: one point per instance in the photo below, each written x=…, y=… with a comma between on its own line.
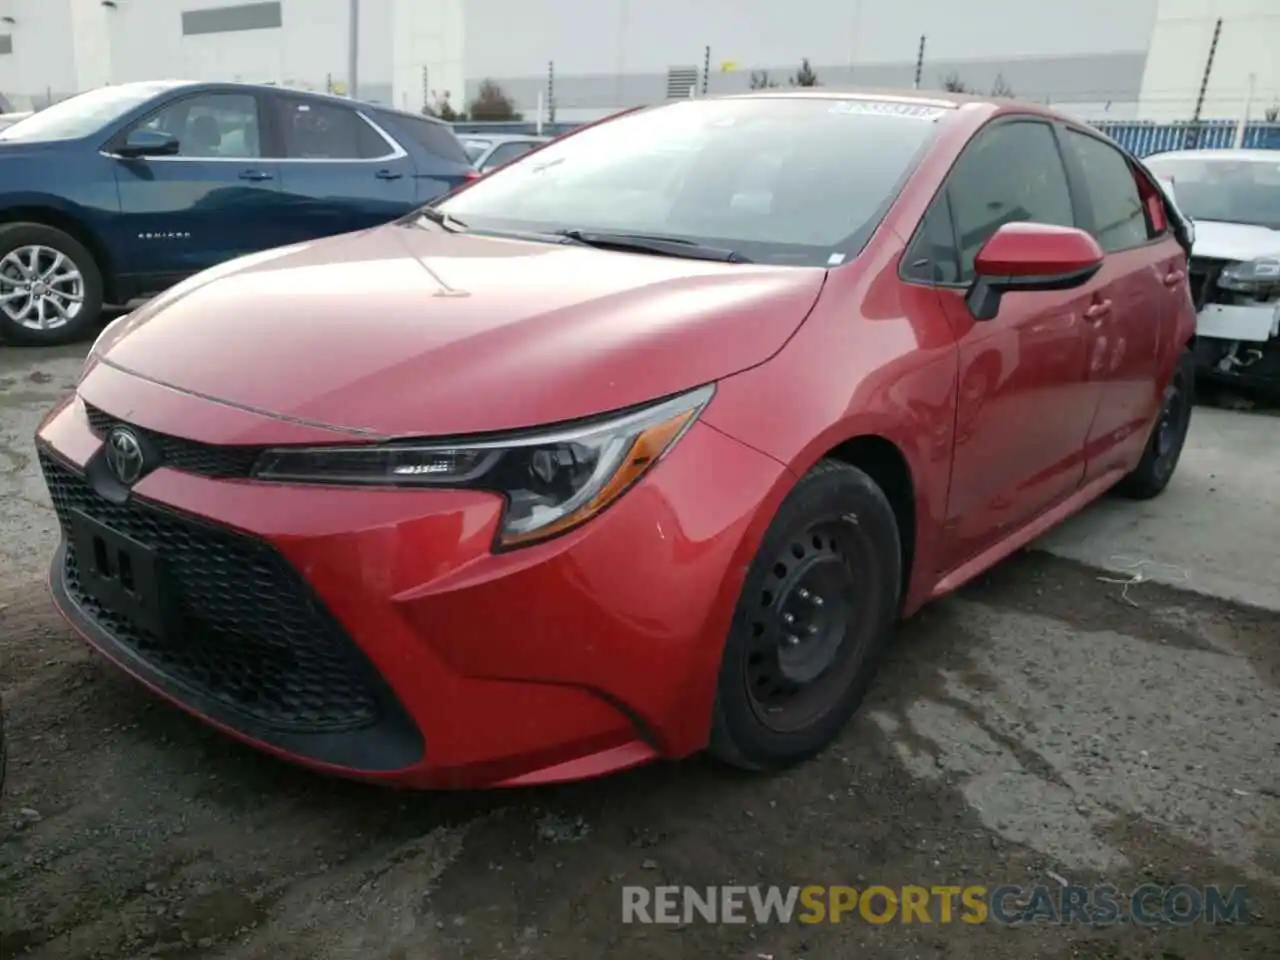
x=122, y=574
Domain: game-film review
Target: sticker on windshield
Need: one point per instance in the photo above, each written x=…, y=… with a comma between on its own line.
x=883, y=108
x=835, y=260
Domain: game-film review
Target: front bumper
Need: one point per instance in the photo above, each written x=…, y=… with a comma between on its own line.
x=372, y=633
x=1239, y=345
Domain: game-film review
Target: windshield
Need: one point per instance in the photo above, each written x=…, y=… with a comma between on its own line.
x=799, y=181
x=474, y=148
x=83, y=114
x=1224, y=189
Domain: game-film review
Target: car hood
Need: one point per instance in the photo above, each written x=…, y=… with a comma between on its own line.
x=1235, y=241
x=405, y=330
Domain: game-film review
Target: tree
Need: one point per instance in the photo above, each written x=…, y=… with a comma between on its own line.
x=1272, y=113
x=805, y=77
x=953, y=84
x=441, y=108
x=760, y=80
x=492, y=104
x=1000, y=88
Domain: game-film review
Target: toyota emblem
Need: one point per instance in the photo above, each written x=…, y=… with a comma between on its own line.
x=124, y=455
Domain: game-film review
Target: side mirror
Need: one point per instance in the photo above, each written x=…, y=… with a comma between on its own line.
x=149, y=143
x=1030, y=256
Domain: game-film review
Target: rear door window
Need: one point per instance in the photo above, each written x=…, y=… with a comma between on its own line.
x=1119, y=219
x=321, y=131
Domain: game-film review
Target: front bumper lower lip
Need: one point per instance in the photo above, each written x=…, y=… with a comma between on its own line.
x=393, y=745
x=366, y=755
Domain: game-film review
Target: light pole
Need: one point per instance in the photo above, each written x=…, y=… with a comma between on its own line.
x=353, y=49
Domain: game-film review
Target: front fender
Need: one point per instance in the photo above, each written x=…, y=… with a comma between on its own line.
x=845, y=377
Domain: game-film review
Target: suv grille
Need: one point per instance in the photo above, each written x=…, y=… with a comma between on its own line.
x=248, y=632
x=189, y=456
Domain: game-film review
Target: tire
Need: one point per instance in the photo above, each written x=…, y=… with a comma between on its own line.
x=1168, y=435
x=835, y=538
x=17, y=240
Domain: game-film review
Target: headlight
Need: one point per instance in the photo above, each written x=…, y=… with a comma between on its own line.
x=1251, y=275
x=553, y=481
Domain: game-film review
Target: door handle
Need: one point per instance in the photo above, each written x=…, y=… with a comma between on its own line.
x=388, y=175
x=1175, y=277
x=255, y=175
x=1098, y=310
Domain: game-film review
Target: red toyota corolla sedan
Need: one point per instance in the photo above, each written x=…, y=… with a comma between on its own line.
x=638, y=446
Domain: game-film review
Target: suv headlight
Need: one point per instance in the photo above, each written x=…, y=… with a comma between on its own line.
x=552, y=480
x=1251, y=275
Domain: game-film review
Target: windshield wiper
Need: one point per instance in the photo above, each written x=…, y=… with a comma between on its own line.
x=645, y=243
x=439, y=218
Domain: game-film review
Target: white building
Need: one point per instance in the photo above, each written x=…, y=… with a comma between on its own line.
x=1098, y=58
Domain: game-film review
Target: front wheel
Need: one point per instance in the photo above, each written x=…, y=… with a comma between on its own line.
x=1168, y=436
x=50, y=286
x=817, y=605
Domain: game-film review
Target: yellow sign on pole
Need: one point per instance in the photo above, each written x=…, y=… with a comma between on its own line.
x=728, y=66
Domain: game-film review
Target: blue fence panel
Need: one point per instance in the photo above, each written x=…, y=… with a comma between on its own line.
x=1145, y=137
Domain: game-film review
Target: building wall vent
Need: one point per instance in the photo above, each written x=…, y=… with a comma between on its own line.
x=681, y=82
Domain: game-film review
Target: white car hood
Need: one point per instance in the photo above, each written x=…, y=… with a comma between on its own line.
x=1235, y=241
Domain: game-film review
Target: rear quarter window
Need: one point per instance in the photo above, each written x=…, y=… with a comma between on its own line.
x=435, y=138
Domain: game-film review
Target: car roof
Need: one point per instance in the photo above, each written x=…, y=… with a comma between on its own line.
x=165, y=85
x=1261, y=156
x=942, y=99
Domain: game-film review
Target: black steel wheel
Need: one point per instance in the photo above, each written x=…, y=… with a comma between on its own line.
x=819, y=600
x=1168, y=436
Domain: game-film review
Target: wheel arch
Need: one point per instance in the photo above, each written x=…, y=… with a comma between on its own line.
x=74, y=226
x=884, y=462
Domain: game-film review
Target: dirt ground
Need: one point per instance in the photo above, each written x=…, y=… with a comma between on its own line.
x=1042, y=726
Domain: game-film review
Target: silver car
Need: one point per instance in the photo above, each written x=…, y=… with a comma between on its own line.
x=9, y=119
x=1233, y=196
x=487, y=152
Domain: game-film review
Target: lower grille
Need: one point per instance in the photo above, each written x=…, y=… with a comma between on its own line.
x=246, y=631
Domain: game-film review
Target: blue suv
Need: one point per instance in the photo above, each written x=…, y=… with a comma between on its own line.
x=123, y=191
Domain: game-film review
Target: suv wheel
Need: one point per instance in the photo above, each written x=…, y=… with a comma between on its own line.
x=50, y=286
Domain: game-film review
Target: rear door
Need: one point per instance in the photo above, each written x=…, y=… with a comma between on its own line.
x=339, y=171
x=1141, y=278
x=1023, y=404
x=214, y=201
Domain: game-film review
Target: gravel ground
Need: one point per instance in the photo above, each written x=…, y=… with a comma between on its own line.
x=1042, y=726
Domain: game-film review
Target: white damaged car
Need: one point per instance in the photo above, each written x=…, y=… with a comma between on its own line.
x=1233, y=199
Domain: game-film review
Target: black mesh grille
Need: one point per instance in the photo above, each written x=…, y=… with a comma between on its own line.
x=189, y=456
x=247, y=631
